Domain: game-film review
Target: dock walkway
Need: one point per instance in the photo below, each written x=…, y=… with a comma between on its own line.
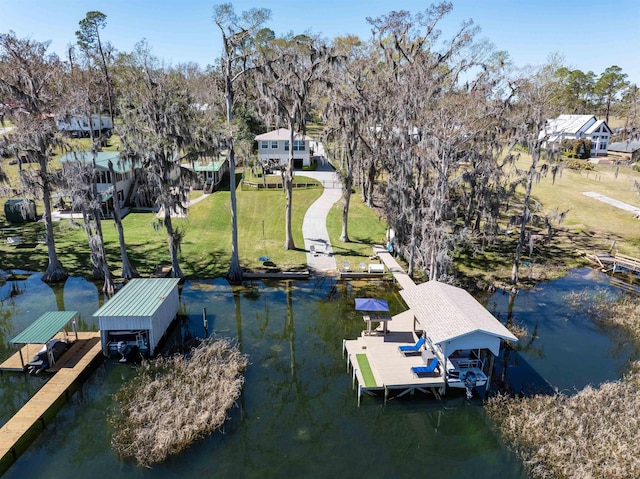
x=15, y=435
x=394, y=268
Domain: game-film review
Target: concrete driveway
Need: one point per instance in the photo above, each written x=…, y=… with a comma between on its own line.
x=314, y=226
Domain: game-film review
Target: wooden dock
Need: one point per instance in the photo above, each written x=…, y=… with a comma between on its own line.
x=71, y=370
x=390, y=370
x=403, y=279
x=617, y=262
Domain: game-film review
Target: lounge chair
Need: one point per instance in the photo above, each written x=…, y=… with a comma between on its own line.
x=412, y=348
x=429, y=368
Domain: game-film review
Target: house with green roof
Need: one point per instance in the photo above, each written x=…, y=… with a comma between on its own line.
x=123, y=170
x=210, y=171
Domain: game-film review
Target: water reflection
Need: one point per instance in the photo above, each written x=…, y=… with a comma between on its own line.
x=298, y=414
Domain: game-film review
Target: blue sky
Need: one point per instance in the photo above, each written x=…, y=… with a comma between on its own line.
x=590, y=34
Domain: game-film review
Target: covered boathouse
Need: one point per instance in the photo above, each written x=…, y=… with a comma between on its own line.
x=445, y=339
x=138, y=315
x=463, y=335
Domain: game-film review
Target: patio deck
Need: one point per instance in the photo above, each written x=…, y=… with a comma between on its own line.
x=391, y=369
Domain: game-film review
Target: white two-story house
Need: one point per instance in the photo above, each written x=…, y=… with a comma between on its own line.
x=575, y=127
x=274, y=145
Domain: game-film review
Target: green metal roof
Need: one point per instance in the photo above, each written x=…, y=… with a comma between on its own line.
x=213, y=165
x=102, y=160
x=138, y=298
x=44, y=328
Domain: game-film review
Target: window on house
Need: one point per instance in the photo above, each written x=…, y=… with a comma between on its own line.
x=298, y=145
x=264, y=144
x=286, y=145
x=274, y=144
x=120, y=195
x=104, y=178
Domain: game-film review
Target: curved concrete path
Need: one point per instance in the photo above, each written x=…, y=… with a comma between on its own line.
x=314, y=226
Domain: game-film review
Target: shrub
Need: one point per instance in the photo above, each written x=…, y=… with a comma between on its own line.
x=579, y=165
x=593, y=433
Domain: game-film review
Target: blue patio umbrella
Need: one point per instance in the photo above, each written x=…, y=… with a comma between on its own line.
x=371, y=304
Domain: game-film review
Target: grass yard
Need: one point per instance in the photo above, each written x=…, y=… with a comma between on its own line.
x=589, y=226
x=206, y=248
x=365, y=229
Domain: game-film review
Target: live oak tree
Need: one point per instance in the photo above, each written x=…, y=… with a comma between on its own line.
x=158, y=116
x=84, y=96
x=430, y=132
x=289, y=68
x=345, y=113
x=238, y=58
x=79, y=183
x=30, y=80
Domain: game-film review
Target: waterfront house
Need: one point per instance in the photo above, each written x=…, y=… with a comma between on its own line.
x=123, y=172
x=210, y=172
x=273, y=147
x=78, y=125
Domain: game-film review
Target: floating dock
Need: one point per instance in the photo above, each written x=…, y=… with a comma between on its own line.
x=70, y=370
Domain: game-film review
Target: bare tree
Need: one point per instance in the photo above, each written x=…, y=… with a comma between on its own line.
x=157, y=125
x=237, y=60
x=30, y=79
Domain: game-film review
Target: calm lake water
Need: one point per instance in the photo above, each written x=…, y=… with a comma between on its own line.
x=298, y=414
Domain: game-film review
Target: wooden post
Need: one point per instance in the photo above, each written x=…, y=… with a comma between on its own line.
x=204, y=321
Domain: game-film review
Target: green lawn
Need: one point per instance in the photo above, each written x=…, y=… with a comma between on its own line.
x=206, y=247
x=365, y=229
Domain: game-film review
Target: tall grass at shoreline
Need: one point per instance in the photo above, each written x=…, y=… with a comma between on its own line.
x=594, y=433
x=175, y=401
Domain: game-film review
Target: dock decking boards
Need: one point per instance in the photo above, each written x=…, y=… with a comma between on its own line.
x=389, y=369
x=17, y=432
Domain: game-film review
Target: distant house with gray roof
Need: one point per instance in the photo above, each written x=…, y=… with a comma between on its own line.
x=576, y=127
x=626, y=149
